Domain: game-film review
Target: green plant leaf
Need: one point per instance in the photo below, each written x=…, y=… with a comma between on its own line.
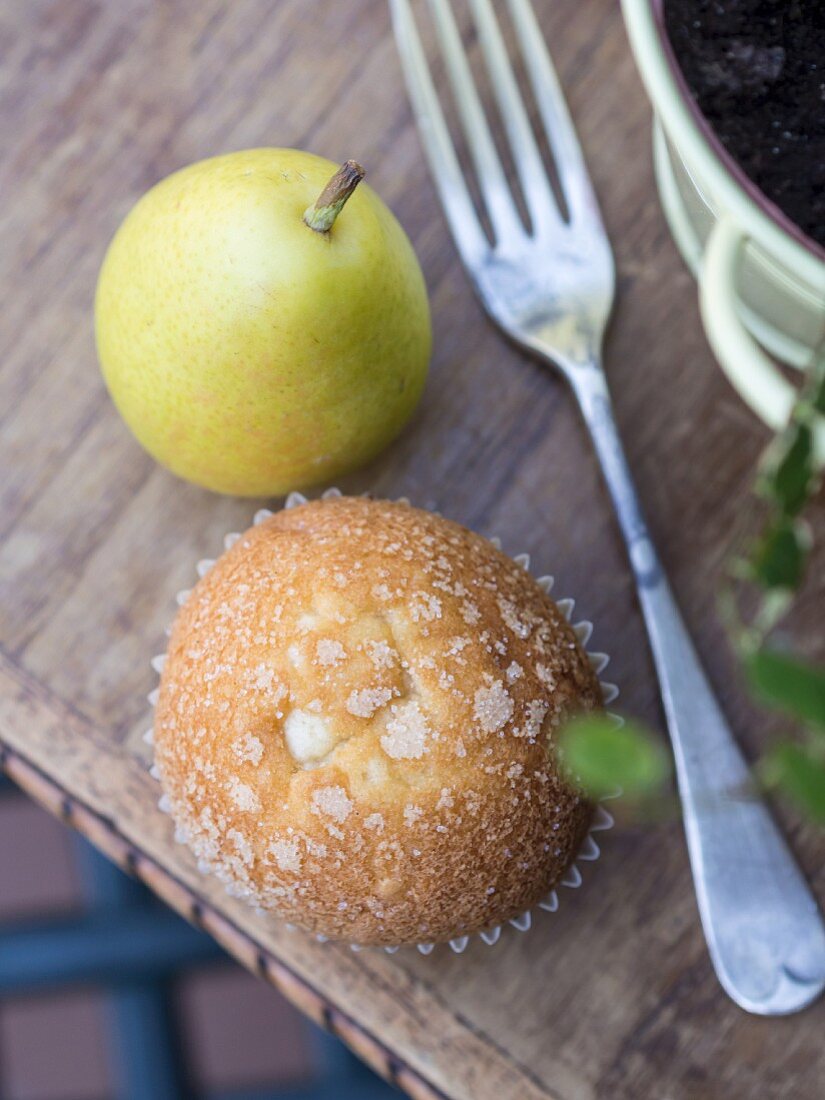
x=798, y=772
x=779, y=555
x=599, y=757
x=819, y=396
x=788, y=684
x=789, y=481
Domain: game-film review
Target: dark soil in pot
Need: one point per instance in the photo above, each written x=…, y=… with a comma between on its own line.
x=757, y=71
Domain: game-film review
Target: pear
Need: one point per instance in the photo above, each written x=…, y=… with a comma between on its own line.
x=261, y=324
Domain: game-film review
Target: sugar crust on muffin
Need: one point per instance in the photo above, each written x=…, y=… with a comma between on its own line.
x=356, y=719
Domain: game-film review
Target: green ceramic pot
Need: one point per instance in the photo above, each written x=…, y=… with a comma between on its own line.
x=761, y=279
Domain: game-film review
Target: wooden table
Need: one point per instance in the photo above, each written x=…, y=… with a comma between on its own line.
x=612, y=996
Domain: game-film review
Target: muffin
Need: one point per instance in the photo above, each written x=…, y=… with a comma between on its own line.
x=355, y=725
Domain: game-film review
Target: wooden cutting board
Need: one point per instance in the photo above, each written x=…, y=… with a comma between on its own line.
x=611, y=996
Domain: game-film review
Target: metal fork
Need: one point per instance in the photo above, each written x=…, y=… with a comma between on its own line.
x=550, y=288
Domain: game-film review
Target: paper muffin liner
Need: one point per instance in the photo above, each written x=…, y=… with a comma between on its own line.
x=589, y=850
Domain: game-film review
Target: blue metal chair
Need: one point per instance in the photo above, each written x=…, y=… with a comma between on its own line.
x=133, y=946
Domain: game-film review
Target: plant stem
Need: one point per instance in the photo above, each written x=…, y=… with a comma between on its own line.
x=329, y=204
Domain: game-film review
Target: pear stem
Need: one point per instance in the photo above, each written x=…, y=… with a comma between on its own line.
x=332, y=199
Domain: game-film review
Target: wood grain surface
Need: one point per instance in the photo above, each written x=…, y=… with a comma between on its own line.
x=614, y=995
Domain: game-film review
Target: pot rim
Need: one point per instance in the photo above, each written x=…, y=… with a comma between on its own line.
x=690, y=131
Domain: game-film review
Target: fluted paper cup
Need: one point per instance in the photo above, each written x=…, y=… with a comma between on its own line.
x=589, y=850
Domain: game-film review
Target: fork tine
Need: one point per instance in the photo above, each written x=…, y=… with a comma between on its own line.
x=447, y=175
x=561, y=134
x=495, y=190
x=538, y=194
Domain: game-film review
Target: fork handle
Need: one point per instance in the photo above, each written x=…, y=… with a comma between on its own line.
x=763, y=928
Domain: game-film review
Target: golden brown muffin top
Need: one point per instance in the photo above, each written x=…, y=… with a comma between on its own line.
x=354, y=722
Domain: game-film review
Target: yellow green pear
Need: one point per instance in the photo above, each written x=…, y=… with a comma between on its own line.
x=262, y=322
